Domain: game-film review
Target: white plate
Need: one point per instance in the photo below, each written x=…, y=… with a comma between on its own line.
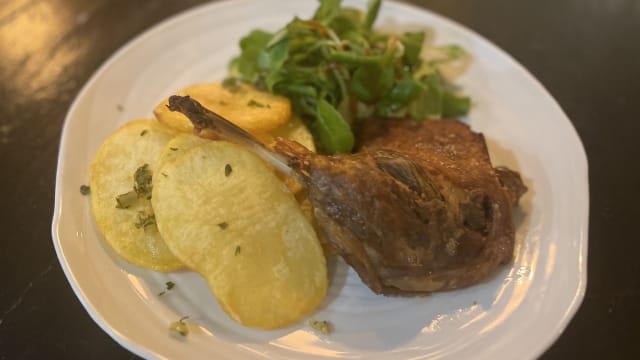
x=517, y=314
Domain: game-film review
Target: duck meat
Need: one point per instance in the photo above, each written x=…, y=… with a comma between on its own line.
x=417, y=208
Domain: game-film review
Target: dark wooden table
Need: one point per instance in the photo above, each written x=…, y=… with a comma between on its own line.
x=586, y=52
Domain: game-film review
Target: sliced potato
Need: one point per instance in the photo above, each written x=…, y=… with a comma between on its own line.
x=295, y=129
x=128, y=148
x=223, y=213
x=253, y=110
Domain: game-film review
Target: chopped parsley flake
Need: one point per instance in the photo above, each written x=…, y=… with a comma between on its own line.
x=145, y=219
x=85, y=190
x=124, y=201
x=227, y=170
x=237, y=252
x=322, y=326
x=223, y=225
x=253, y=103
x=179, y=327
x=144, y=132
x=143, y=181
x=142, y=186
x=173, y=148
x=170, y=285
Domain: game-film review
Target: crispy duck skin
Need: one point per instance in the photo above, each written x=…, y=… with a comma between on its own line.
x=418, y=208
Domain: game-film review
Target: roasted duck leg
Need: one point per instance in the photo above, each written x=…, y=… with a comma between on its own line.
x=419, y=208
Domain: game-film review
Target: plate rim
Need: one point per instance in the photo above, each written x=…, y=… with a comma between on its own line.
x=560, y=324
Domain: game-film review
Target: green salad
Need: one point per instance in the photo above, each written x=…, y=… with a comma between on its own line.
x=338, y=72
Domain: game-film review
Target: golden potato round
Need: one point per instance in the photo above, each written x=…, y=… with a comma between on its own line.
x=244, y=105
x=223, y=213
x=112, y=174
x=296, y=130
